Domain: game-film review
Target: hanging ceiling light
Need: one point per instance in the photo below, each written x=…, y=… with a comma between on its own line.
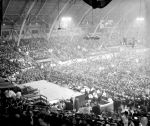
x=140, y=18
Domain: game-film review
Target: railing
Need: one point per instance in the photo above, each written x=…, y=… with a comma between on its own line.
x=33, y=99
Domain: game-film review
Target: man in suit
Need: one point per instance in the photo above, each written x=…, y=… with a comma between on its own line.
x=96, y=109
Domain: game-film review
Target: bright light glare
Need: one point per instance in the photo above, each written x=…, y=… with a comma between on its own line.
x=66, y=22
x=66, y=19
x=140, y=19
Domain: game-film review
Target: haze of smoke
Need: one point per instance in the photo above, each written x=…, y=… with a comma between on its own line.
x=147, y=14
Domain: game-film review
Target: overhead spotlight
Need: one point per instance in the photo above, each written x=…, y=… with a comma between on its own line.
x=140, y=19
x=65, y=22
x=66, y=19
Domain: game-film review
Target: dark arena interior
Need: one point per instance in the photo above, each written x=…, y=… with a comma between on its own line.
x=75, y=63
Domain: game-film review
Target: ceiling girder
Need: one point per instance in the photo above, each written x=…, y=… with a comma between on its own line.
x=5, y=9
x=22, y=12
x=24, y=21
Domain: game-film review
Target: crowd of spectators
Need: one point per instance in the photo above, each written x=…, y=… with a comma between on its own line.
x=58, y=47
x=125, y=74
x=8, y=63
x=15, y=110
x=125, y=78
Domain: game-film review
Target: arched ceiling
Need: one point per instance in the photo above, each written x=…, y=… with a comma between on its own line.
x=46, y=11
x=43, y=11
